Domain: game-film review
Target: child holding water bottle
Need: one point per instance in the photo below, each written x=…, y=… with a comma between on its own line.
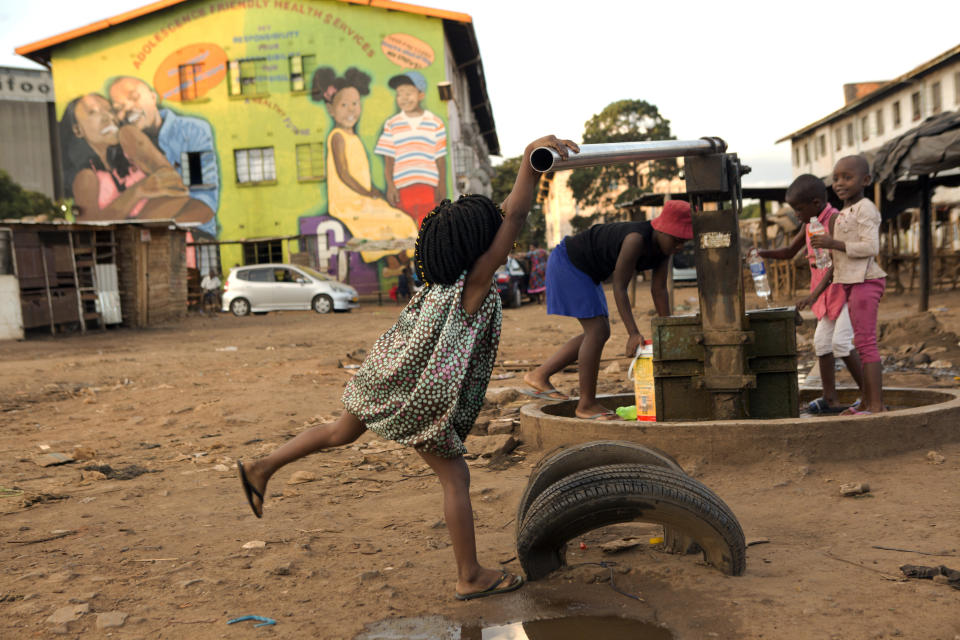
x=854, y=241
x=833, y=338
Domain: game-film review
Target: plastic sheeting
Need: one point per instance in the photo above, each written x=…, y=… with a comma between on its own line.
x=932, y=147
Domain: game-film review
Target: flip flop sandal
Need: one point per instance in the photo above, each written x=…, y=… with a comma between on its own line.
x=820, y=407
x=249, y=490
x=604, y=415
x=545, y=395
x=493, y=589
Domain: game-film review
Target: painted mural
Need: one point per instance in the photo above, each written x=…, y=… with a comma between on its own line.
x=261, y=120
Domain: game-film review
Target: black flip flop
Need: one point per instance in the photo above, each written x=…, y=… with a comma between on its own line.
x=492, y=590
x=545, y=395
x=249, y=490
x=820, y=407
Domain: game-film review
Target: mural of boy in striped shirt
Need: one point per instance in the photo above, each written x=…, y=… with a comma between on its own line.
x=414, y=148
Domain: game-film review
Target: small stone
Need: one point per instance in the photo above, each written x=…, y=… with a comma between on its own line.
x=111, y=619
x=500, y=426
x=282, y=569
x=935, y=457
x=854, y=489
x=301, y=477
x=919, y=359
x=64, y=615
x=612, y=368
x=501, y=395
x=254, y=544
x=941, y=364
x=91, y=476
x=81, y=452
x=941, y=579
x=367, y=576
x=488, y=446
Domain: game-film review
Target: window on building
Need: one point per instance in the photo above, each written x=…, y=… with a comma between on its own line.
x=188, y=81
x=310, y=161
x=895, y=108
x=247, y=77
x=822, y=144
x=837, y=138
x=806, y=153
x=956, y=88
x=936, y=98
x=864, y=128
x=849, y=134
x=796, y=156
x=915, y=103
x=301, y=67
x=262, y=253
x=191, y=167
x=255, y=165
x=879, y=118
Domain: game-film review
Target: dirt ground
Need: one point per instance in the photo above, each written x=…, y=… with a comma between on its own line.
x=145, y=534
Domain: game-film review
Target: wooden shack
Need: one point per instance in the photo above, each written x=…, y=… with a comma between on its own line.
x=89, y=276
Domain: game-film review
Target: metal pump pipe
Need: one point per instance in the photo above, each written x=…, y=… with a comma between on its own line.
x=545, y=159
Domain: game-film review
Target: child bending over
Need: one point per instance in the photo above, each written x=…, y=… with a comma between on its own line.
x=424, y=380
x=833, y=338
x=854, y=240
x=575, y=272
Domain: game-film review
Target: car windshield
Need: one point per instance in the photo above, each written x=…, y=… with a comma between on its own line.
x=315, y=274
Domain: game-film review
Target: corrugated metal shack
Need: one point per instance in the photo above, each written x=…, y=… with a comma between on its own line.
x=93, y=275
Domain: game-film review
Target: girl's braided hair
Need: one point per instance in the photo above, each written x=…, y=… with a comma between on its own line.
x=453, y=236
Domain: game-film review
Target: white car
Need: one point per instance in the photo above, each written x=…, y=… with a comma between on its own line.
x=259, y=288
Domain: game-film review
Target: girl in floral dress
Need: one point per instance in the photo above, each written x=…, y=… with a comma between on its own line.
x=424, y=380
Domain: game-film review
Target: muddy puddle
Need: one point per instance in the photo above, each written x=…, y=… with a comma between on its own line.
x=562, y=628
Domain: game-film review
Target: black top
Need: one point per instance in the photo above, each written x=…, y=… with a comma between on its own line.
x=595, y=250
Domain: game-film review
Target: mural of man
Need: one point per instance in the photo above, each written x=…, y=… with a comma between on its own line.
x=177, y=136
x=413, y=145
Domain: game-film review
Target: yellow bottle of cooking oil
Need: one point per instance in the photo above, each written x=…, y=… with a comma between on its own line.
x=643, y=383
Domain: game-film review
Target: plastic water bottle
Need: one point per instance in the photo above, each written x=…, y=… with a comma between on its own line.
x=644, y=385
x=822, y=257
x=759, y=273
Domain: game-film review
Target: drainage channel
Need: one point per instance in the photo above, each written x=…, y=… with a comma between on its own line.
x=562, y=628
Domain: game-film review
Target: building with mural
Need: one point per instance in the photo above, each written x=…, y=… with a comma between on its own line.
x=320, y=131
x=28, y=151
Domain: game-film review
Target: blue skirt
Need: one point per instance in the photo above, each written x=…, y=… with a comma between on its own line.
x=571, y=292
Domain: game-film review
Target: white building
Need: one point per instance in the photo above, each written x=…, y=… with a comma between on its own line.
x=875, y=113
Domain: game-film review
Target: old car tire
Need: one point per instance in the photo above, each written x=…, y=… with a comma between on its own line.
x=557, y=466
x=619, y=493
x=322, y=303
x=240, y=307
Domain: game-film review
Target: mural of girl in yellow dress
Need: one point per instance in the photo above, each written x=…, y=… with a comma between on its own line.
x=379, y=230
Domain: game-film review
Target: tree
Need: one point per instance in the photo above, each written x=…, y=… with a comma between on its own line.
x=17, y=202
x=504, y=175
x=622, y=121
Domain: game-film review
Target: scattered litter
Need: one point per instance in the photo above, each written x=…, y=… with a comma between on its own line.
x=9, y=493
x=263, y=621
x=39, y=498
x=53, y=459
x=935, y=457
x=125, y=473
x=254, y=544
x=583, y=546
x=750, y=543
x=940, y=575
x=502, y=376
x=230, y=348
x=616, y=546
x=656, y=540
x=340, y=365
x=854, y=489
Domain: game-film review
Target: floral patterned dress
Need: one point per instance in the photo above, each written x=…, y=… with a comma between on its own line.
x=424, y=380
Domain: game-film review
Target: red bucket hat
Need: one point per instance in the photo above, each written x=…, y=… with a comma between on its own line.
x=675, y=220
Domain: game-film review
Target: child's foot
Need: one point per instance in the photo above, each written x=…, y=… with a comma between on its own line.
x=254, y=485
x=489, y=582
x=596, y=411
x=544, y=390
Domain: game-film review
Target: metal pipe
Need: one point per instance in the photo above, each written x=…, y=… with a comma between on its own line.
x=545, y=159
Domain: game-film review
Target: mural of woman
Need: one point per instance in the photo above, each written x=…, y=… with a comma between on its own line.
x=351, y=198
x=113, y=172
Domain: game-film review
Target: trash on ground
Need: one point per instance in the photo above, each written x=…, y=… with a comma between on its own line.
x=53, y=459
x=262, y=620
x=854, y=489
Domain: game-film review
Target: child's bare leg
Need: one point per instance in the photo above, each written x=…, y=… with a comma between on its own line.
x=458, y=513
x=855, y=368
x=828, y=379
x=344, y=430
x=872, y=400
x=566, y=355
x=596, y=331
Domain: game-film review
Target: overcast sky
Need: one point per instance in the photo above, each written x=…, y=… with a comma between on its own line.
x=748, y=72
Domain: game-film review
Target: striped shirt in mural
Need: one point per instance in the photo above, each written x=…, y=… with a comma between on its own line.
x=415, y=144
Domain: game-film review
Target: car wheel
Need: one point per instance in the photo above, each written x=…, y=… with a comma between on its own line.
x=240, y=307
x=322, y=303
x=515, y=298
